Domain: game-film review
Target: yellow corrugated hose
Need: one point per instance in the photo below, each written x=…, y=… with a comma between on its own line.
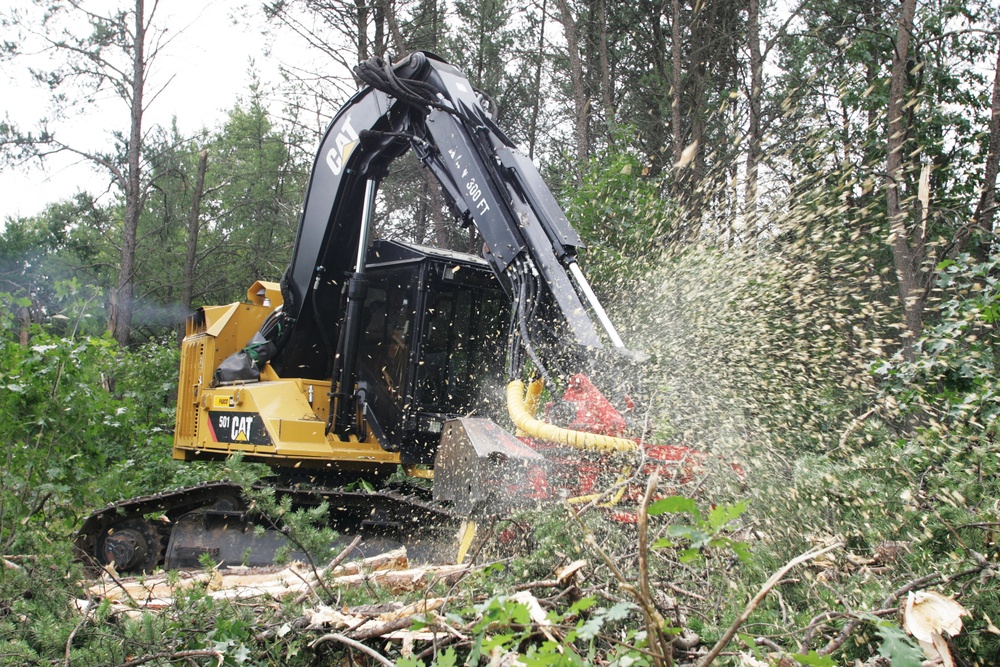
x=536, y=428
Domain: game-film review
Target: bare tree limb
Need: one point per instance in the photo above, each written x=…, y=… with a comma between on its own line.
x=728, y=635
x=370, y=652
x=179, y=655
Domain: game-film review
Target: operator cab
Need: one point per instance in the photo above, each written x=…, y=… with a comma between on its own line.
x=433, y=344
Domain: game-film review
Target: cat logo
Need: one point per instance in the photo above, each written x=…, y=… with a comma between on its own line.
x=238, y=427
x=345, y=142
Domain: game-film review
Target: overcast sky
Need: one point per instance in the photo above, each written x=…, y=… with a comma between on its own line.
x=210, y=61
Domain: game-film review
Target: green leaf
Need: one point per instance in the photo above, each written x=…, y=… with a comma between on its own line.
x=723, y=514
x=493, y=567
x=241, y=654
x=409, y=661
x=742, y=551
x=589, y=628
x=489, y=643
x=619, y=611
x=477, y=649
x=519, y=613
x=447, y=658
x=897, y=647
x=813, y=658
x=689, y=555
x=673, y=505
x=697, y=537
x=750, y=643
x=582, y=604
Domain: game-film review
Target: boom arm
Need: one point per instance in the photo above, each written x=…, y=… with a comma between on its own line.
x=428, y=105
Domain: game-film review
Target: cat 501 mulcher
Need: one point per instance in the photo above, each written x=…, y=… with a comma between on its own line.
x=373, y=358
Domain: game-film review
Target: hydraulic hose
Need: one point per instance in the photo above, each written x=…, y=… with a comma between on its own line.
x=536, y=428
x=532, y=397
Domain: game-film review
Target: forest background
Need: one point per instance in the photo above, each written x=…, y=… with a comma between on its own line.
x=789, y=207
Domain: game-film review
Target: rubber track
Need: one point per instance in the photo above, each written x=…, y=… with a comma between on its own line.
x=173, y=504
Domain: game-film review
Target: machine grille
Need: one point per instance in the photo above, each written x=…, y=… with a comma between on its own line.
x=192, y=351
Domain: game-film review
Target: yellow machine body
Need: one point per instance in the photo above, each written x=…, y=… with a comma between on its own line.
x=278, y=421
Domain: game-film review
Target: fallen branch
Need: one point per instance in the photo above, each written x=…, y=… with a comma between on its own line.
x=565, y=576
x=10, y=565
x=393, y=624
x=814, y=624
x=916, y=584
x=370, y=652
x=109, y=570
x=681, y=591
x=179, y=655
x=330, y=567
x=342, y=556
x=388, y=569
x=69, y=641
x=437, y=645
x=544, y=583
x=382, y=628
x=728, y=635
x=400, y=581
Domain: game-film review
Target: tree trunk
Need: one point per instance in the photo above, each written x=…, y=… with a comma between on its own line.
x=194, y=224
x=537, y=92
x=675, y=80
x=379, y=45
x=607, y=88
x=756, y=84
x=987, y=201
x=362, y=18
x=907, y=257
x=423, y=223
x=480, y=47
x=580, y=101
x=397, y=36
x=24, y=314
x=123, y=303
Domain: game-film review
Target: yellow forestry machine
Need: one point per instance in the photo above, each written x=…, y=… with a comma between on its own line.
x=374, y=361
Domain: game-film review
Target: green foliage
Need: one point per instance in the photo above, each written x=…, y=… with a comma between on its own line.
x=701, y=533
x=248, y=218
x=57, y=422
x=82, y=422
x=951, y=386
x=621, y=215
x=256, y=185
x=506, y=626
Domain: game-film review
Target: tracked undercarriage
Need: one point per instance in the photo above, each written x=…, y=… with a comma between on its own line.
x=178, y=529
